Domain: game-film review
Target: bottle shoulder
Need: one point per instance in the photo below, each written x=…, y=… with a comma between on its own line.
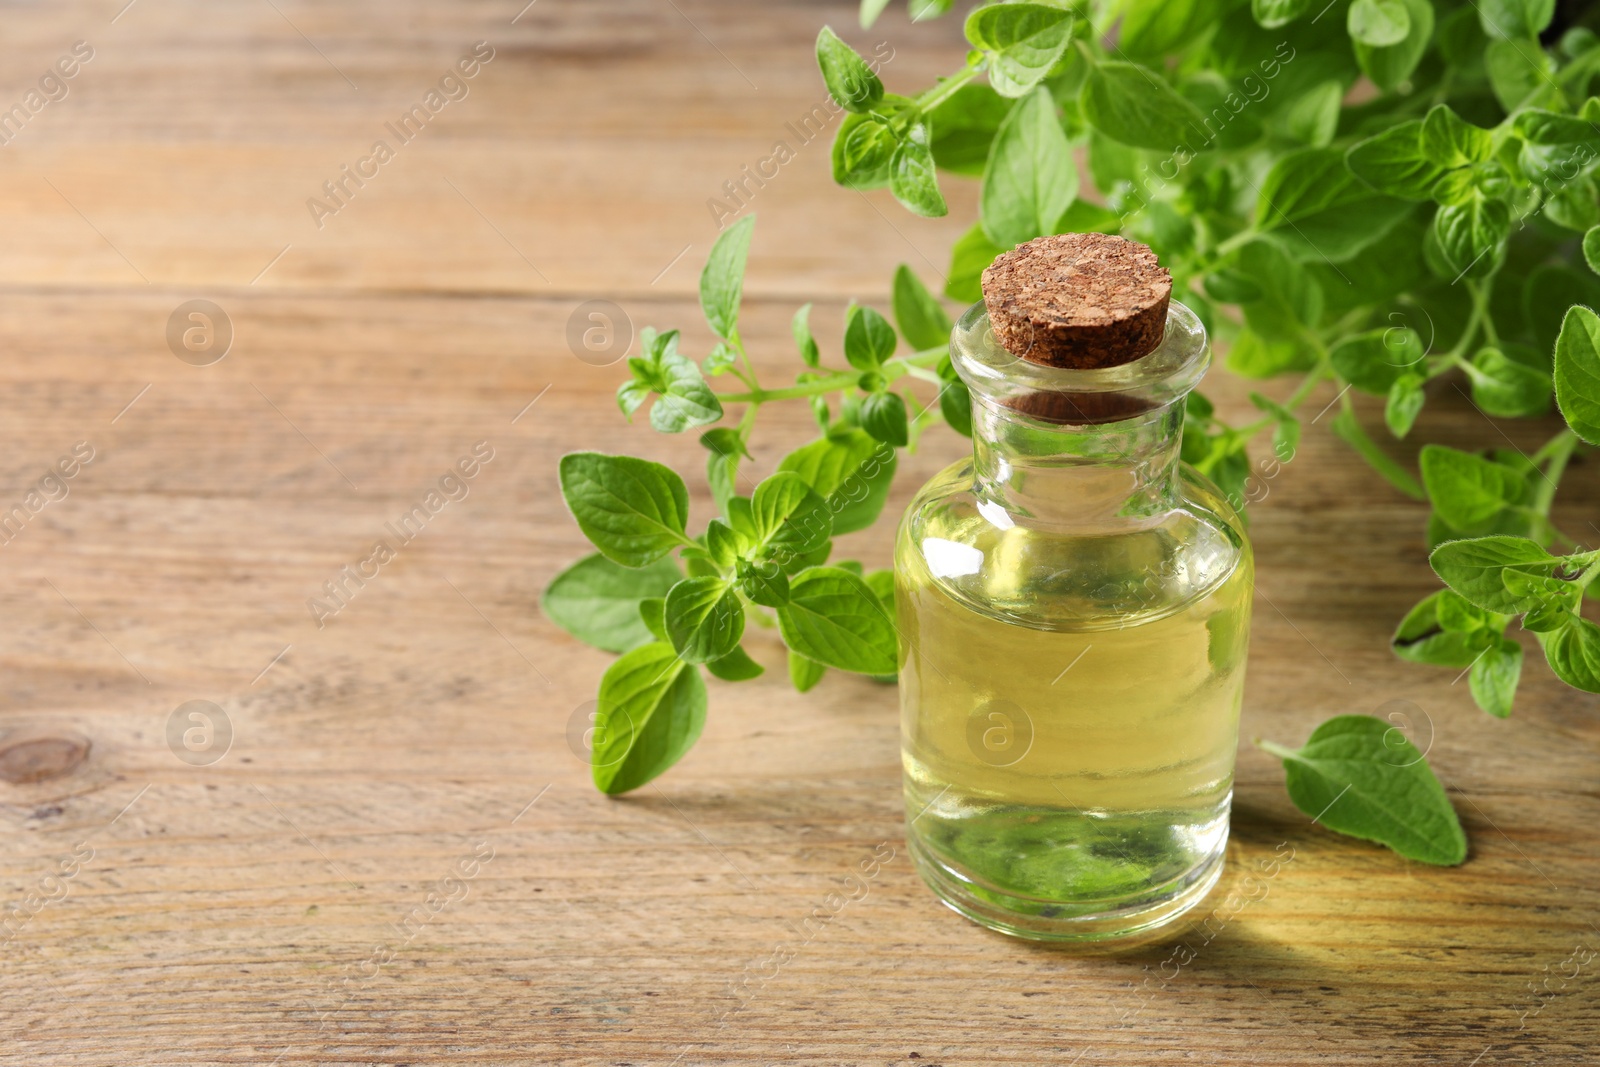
x=1105, y=574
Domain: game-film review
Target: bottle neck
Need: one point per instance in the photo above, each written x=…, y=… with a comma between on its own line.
x=1106, y=474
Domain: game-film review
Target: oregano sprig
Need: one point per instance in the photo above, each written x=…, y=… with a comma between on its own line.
x=1441, y=233
x=675, y=603
x=1436, y=230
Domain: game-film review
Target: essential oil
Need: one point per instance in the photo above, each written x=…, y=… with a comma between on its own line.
x=1074, y=608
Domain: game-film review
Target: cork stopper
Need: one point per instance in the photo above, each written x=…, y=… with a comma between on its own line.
x=1078, y=300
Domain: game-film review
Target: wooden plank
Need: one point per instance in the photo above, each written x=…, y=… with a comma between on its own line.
x=186, y=150
x=274, y=906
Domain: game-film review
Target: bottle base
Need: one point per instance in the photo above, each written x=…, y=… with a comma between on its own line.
x=1040, y=920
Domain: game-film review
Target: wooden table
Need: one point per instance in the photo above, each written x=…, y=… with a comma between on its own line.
x=399, y=859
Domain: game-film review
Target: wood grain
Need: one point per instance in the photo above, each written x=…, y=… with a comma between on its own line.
x=289, y=902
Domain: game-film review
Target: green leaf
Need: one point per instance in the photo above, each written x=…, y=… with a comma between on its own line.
x=800, y=327
x=1459, y=615
x=1111, y=162
x=1472, y=236
x=1285, y=431
x=922, y=319
x=1541, y=127
x=883, y=415
x=870, y=10
x=969, y=258
x=1308, y=199
x=1577, y=372
x=736, y=666
x=687, y=400
x=1555, y=599
x=720, y=359
x=1253, y=357
x=804, y=673
x=882, y=585
x=633, y=510
x=862, y=149
x=1573, y=652
x=868, y=338
x=1461, y=39
x=964, y=125
x=1494, y=676
x=1031, y=178
x=1505, y=388
x=912, y=178
x=1422, y=637
x=1451, y=141
x=764, y=582
x=834, y=618
x=727, y=447
x=1023, y=42
x=1132, y=104
x=724, y=545
x=1375, y=360
x=1477, y=568
x=1389, y=66
x=1393, y=162
x=1378, y=22
x=1350, y=431
x=1574, y=205
x=1549, y=290
x=789, y=518
x=597, y=601
x=704, y=619
x=1360, y=776
x=1475, y=181
x=1283, y=299
x=1084, y=217
x=652, y=707
x=955, y=401
x=1274, y=13
x=850, y=82
x=1152, y=28
x=1514, y=18
x=1313, y=117
x=653, y=614
x=1519, y=71
x=722, y=280
x=1404, y=403
x=851, y=470
x=1591, y=249
x=1468, y=490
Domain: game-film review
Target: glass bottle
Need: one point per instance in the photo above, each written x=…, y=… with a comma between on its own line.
x=1074, y=609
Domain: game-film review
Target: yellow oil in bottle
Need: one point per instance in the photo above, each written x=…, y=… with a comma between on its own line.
x=1071, y=711
x=1074, y=610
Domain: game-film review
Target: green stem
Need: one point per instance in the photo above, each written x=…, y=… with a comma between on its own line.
x=748, y=419
x=1276, y=749
x=931, y=99
x=748, y=375
x=1243, y=237
x=1442, y=92
x=1548, y=449
x=1477, y=317
x=1312, y=380
x=929, y=415
x=1480, y=308
x=1309, y=384
x=891, y=370
x=1559, y=450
